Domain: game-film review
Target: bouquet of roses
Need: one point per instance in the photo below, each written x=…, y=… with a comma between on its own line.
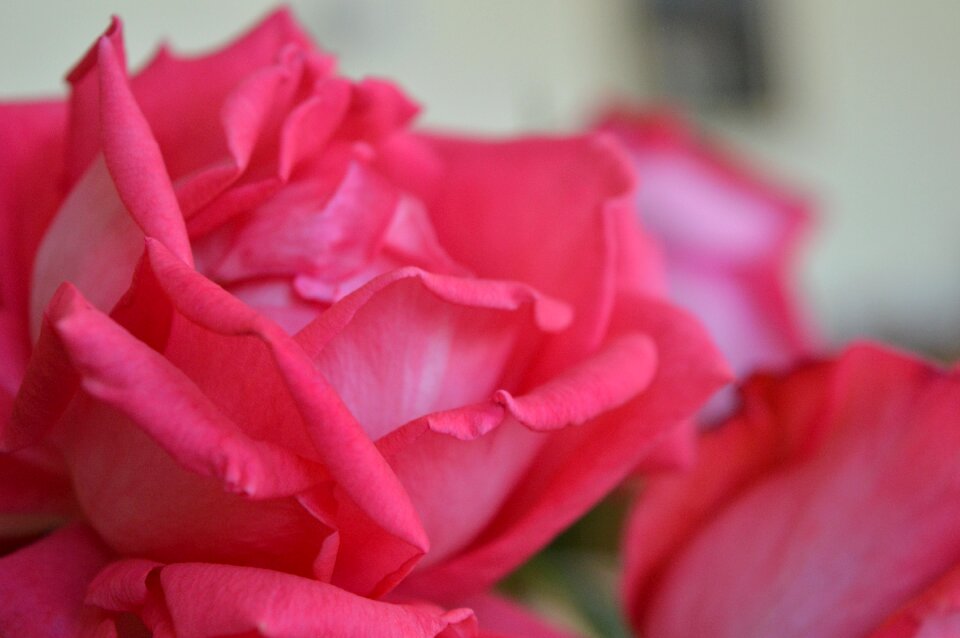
x=275, y=362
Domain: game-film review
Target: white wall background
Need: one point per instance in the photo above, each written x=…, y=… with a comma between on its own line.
x=866, y=118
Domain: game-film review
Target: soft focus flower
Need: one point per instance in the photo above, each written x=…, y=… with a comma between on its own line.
x=285, y=348
x=729, y=237
x=826, y=507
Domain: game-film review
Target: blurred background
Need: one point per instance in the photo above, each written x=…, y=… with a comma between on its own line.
x=855, y=103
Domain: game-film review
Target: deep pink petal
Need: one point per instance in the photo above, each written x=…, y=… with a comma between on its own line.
x=577, y=466
x=410, y=344
x=183, y=96
x=212, y=329
x=121, y=189
x=673, y=508
x=492, y=201
x=48, y=386
x=105, y=113
x=199, y=600
x=861, y=517
x=450, y=340
x=460, y=466
x=31, y=167
x=83, y=134
x=152, y=458
x=130, y=377
x=134, y=158
x=42, y=586
x=302, y=232
x=620, y=371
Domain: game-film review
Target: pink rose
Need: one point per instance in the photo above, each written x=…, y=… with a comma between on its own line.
x=281, y=344
x=728, y=236
x=826, y=507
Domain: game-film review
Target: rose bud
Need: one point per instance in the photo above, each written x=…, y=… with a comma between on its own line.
x=729, y=237
x=825, y=507
x=272, y=339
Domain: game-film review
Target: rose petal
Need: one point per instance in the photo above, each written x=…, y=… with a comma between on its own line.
x=106, y=114
x=106, y=120
x=42, y=585
x=130, y=377
x=302, y=232
x=211, y=330
x=199, y=600
x=84, y=139
x=134, y=158
x=91, y=215
x=263, y=120
x=31, y=166
x=135, y=494
x=933, y=614
x=673, y=508
x=458, y=484
x=411, y=343
x=449, y=342
x=741, y=315
x=623, y=368
x=492, y=202
x=578, y=466
x=183, y=96
x=861, y=518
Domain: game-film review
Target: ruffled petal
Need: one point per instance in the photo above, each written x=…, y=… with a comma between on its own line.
x=303, y=232
x=183, y=97
x=576, y=467
x=282, y=397
x=106, y=114
x=127, y=375
x=121, y=188
x=152, y=451
x=447, y=467
x=492, y=201
x=620, y=371
x=42, y=586
x=410, y=343
x=198, y=600
x=134, y=159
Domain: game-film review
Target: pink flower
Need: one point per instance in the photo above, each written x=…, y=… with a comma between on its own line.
x=826, y=507
x=728, y=236
x=281, y=344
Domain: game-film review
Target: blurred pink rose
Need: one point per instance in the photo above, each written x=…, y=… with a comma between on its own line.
x=826, y=507
x=729, y=238
x=283, y=345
